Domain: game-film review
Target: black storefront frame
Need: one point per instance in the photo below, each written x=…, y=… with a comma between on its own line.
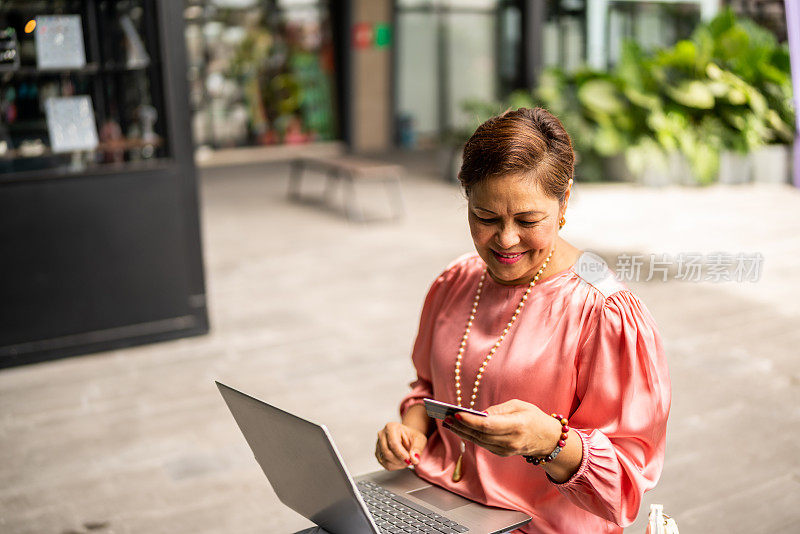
x=341, y=17
x=151, y=291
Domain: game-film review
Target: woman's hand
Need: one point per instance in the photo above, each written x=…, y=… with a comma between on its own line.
x=513, y=427
x=399, y=446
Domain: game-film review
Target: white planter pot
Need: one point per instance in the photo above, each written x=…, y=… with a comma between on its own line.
x=680, y=171
x=615, y=168
x=656, y=176
x=735, y=168
x=659, y=172
x=772, y=164
x=449, y=159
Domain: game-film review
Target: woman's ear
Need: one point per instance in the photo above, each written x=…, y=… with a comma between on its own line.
x=567, y=193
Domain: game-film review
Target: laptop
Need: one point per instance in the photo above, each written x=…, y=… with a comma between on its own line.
x=307, y=473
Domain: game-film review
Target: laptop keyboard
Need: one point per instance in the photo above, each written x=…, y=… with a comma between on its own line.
x=397, y=515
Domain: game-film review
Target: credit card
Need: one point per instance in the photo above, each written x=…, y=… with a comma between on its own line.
x=440, y=410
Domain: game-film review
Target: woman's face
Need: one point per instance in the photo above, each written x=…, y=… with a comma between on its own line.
x=514, y=226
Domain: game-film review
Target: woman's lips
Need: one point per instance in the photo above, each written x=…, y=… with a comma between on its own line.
x=508, y=259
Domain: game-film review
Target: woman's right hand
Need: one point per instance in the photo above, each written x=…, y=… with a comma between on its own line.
x=399, y=446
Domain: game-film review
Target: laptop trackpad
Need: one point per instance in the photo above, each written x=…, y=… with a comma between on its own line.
x=440, y=498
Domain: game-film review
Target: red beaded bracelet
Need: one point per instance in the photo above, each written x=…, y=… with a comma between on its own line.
x=559, y=446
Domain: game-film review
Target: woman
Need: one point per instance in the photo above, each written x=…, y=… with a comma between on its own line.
x=533, y=331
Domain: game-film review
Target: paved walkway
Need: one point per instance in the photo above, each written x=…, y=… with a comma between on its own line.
x=318, y=315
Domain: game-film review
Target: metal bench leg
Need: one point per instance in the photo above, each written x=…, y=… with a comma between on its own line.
x=330, y=185
x=397, y=198
x=295, y=175
x=354, y=213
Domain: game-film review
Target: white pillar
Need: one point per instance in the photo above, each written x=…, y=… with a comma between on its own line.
x=596, y=15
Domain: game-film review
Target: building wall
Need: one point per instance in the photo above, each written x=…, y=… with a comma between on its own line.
x=371, y=98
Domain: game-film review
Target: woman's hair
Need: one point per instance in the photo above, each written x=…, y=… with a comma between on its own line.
x=529, y=142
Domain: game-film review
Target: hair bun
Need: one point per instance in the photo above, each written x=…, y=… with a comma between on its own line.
x=524, y=141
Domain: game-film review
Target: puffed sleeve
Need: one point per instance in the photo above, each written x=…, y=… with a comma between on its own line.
x=421, y=355
x=623, y=389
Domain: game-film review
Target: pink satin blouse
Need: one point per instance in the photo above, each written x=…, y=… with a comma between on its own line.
x=584, y=345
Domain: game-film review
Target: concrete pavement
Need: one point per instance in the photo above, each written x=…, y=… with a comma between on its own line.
x=318, y=316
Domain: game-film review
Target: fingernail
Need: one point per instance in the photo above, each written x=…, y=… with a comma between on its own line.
x=417, y=455
x=407, y=461
x=458, y=416
x=448, y=420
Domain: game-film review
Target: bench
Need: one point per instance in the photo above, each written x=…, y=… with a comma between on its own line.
x=348, y=170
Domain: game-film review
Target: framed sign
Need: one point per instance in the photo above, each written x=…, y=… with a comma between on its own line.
x=70, y=123
x=59, y=42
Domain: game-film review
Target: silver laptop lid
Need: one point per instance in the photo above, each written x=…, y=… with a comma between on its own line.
x=302, y=464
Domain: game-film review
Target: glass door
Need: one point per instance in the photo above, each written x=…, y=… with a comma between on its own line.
x=79, y=87
x=447, y=55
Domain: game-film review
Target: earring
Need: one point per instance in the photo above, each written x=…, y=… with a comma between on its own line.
x=562, y=222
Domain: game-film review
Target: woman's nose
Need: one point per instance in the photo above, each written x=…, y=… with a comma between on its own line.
x=507, y=237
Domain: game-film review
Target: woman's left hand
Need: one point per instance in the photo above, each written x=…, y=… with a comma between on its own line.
x=513, y=427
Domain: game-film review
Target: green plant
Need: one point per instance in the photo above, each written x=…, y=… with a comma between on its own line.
x=710, y=93
x=726, y=88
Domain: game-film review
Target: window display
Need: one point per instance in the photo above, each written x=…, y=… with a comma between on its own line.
x=9, y=55
x=78, y=88
x=260, y=72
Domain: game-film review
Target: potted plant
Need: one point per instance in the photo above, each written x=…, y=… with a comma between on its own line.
x=702, y=110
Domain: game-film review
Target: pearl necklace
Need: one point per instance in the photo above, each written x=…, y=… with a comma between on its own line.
x=457, y=473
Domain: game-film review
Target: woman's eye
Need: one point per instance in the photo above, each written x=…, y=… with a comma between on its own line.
x=485, y=221
x=528, y=224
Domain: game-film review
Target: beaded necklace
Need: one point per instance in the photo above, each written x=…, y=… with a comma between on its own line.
x=457, y=471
